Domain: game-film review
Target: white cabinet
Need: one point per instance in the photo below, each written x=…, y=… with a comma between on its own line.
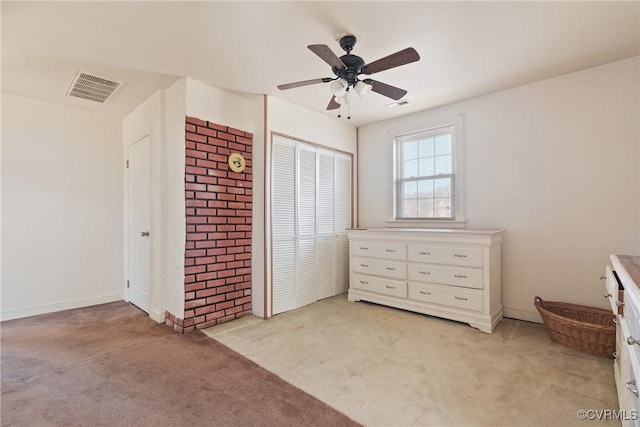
x=621, y=288
x=310, y=213
x=454, y=274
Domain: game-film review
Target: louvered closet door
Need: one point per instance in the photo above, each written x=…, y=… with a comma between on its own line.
x=342, y=219
x=325, y=241
x=283, y=225
x=307, y=195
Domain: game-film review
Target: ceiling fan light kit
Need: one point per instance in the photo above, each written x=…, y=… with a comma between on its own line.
x=349, y=67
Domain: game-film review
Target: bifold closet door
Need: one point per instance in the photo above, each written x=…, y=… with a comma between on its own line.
x=311, y=210
x=283, y=225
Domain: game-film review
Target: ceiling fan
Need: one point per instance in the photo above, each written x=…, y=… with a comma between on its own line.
x=349, y=67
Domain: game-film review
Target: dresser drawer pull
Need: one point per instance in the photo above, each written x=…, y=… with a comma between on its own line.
x=390, y=268
x=424, y=253
x=615, y=320
x=424, y=272
x=425, y=293
x=632, y=341
x=619, y=303
x=607, y=294
x=363, y=282
x=631, y=386
x=390, y=250
x=459, y=256
x=460, y=298
x=615, y=355
x=364, y=265
x=389, y=287
x=364, y=248
x=459, y=276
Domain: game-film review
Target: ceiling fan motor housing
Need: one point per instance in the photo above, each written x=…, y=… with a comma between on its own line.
x=354, y=64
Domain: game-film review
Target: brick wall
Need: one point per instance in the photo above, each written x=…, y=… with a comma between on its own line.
x=217, y=262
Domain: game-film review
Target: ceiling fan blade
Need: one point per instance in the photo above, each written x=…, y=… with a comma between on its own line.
x=304, y=83
x=392, y=92
x=327, y=55
x=333, y=104
x=405, y=56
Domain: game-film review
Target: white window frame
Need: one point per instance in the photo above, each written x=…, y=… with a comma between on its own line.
x=458, y=220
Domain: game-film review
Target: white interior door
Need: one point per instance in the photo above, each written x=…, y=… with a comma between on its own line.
x=139, y=222
x=342, y=221
x=306, y=236
x=325, y=241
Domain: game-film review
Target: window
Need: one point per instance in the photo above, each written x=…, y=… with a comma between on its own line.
x=426, y=175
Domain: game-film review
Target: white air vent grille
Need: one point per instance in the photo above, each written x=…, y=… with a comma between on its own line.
x=91, y=87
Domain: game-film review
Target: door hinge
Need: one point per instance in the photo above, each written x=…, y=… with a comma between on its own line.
x=127, y=164
x=127, y=284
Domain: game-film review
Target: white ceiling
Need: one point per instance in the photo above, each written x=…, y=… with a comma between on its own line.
x=467, y=48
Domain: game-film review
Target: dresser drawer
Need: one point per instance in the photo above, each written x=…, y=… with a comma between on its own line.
x=445, y=295
x=388, y=250
x=470, y=257
x=380, y=267
x=614, y=291
x=379, y=285
x=456, y=276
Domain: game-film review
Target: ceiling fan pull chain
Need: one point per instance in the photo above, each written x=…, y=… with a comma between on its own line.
x=349, y=106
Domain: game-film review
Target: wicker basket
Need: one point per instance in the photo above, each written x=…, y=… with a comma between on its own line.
x=587, y=329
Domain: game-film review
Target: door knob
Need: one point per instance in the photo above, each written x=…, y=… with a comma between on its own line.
x=145, y=234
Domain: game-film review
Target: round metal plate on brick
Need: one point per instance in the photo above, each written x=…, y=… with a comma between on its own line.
x=236, y=162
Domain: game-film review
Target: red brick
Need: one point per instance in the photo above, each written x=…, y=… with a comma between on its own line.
x=215, y=283
x=226, y=273
x=224, y=305
x=217, y=204
x=215, y=299
x=196, y=154
x=206, y=228
x=233, y=295
x=205, y=260
x=215, y=267
x=246, y=307
x=238, y=191
x=234, y=279
x=196, y=187
x=190, y=128
x=189, y=161
x=207, y=179
x=195, y=170
x=237, y=220
x=206, y=131
x=218, y=143
x=235, y=205
x=206, y=147
x=203, y=293
x=244, y=140
x=189, y=245
x=245, y=270
x=195, y=121
x=206, y=212
x=226, y=212
x=205, y=324
x=195, y=253
x=206, y=309
x=233, y=310
x=205, y=244
x=195, y=287
x=217, y=157
x=216, y=188
x=227, y=137
x=235, y=131
x=189, y=279
x=235, y=250
x=188, y=262
x=216, y=251
x=224, y=258
x=218, y=173
x=238, y=176
x=206, y=164
x=243, y=227
x=225, y=289
x=244, y=285
x=235, y=146
x=189, y=313
x=227, y=182
x=195, y=270
x=217, y=220
x=196, y=138
x=206, y=276
x=189, y=295
x=195, y=303
x=224, y=243
x=205, y=195
x=191, y=228
x=242, y=300
x=216, y=236
x=196, y=236
x=217, y=127
x=196, y=220
x=193, y=203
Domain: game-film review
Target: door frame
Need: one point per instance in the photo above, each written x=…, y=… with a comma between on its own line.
x=268, y=253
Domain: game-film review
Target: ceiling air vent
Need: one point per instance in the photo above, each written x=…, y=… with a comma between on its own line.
x=92, y=87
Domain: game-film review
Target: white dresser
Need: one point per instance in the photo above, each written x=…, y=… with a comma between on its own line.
x=622, y=280
x=454, y=274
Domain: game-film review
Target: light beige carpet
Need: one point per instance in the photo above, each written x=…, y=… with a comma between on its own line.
x=383, y=366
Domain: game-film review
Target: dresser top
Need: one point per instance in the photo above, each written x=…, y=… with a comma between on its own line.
x=444, y=231
x=631, y=265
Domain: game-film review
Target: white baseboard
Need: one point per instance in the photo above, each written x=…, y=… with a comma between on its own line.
x=58, y=306
x=157, y=316
x=529, y=316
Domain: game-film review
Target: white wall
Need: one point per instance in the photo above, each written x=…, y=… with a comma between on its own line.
x=62, y=208
x=300, y=123
x=219, y=106
x=145, y=120
x=174, y=104
x=555, y=163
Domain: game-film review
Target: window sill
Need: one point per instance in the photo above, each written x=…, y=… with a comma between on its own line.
x=425, y=223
